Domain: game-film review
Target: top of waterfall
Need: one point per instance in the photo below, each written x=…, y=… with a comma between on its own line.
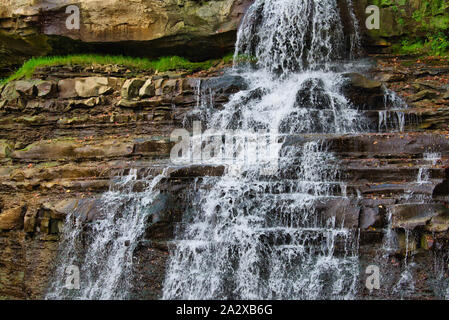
x=287, y=36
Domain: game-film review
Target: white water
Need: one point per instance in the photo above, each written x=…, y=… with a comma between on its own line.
x=104, y=254
x=264, y=237
x=249, y=235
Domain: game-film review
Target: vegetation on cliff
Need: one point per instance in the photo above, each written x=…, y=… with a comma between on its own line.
x=160, y=65
x=413, y=27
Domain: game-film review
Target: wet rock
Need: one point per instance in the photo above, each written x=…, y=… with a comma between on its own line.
x=370, y=218
x=345, y=211
x=196, y=171
x=226, y=84
x=162, y=215
x=313, y=95
x=407, y=243
x=363, y=92
x=410, y=216
x=427, y=241
x=439, y=223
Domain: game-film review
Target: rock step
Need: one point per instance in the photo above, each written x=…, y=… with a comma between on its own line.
x=299, y=240
x=376, y=145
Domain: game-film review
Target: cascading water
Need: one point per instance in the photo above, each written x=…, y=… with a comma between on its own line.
x=252, y=236
x=253, y=233
x=104, y=252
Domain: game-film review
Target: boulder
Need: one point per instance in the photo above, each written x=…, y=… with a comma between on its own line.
x=131, y=88
x=92, y=87
x=26, y=88
x=9, y=92
x=66, y=88
x=148, y=89
x=12, y=219
x=45, y=89
x=410, y=216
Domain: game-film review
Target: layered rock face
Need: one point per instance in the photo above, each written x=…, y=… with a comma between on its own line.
x=65, y=134
x=195, y=29
x=68, y=131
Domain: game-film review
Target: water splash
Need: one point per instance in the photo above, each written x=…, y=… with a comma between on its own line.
x=431, y=160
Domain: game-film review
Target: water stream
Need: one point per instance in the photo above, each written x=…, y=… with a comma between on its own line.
x=252, y=233
x=253, y=236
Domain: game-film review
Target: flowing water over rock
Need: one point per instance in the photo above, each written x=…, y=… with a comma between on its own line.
x=252, y=236
x=103, y=249
x=291, y=232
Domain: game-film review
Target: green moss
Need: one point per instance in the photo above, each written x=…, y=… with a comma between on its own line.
x=162, y=64
x=435, y=45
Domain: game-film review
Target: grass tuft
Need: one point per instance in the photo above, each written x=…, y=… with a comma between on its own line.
x=162, y=64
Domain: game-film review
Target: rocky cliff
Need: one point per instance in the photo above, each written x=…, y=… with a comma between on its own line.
x=190, y=28
x=69, y=130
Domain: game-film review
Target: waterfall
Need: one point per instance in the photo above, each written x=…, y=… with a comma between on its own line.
x=290, y=35
x=290, y=232
x=104, y=252
x=255, y=236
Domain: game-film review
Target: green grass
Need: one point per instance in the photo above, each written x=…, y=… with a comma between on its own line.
x=162, y=64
